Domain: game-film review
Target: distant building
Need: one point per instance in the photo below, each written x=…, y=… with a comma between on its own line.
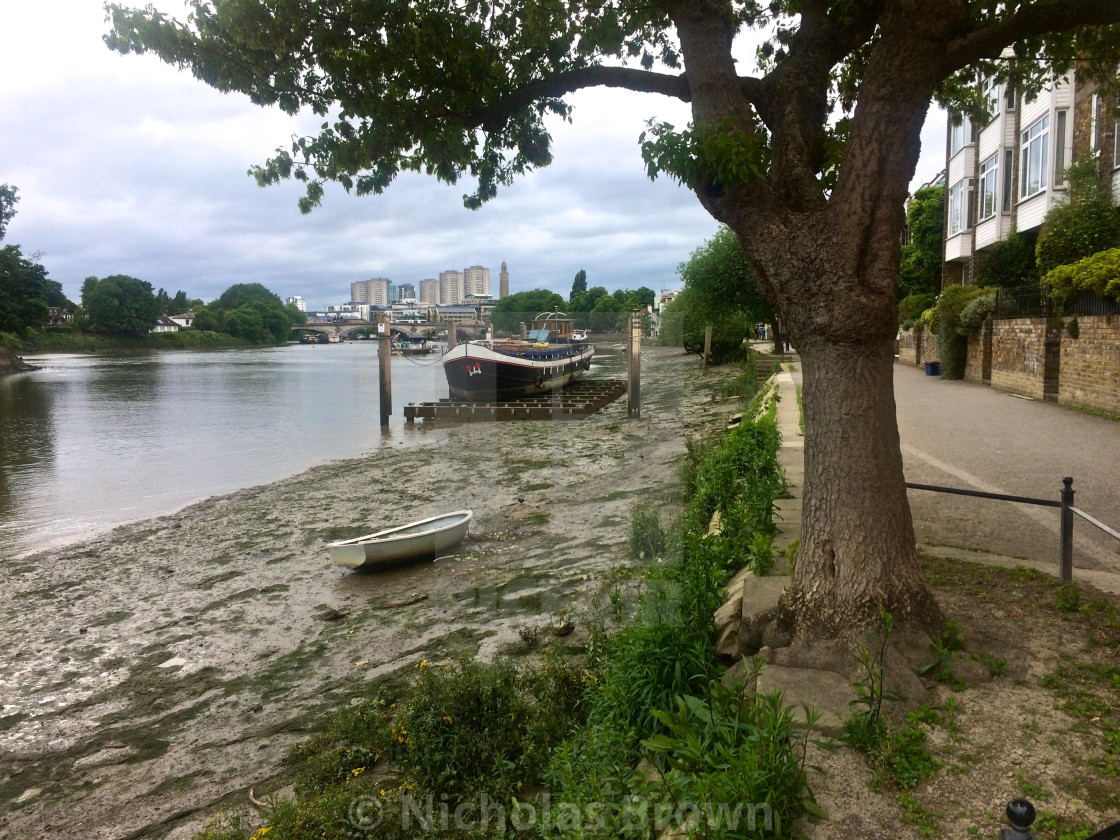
x=458, y=314
x=373, y=291
x=429, y=291
x=164, y=324
x=299, y=302
x=503, y=282
x=476, y=281
x=404, y=291
x=186, y=319
x=450, y=287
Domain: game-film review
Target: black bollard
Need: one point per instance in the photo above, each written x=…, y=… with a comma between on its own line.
x=1021, y=814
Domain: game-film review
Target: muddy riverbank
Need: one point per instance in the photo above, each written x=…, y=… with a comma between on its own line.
x=155, y=674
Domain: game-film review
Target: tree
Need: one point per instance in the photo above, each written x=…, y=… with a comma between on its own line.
x=510, y=311
x=8, y=199
x=462, y=89
x=23, y=292
x=120, y=304
x=920, y=268
x=579, y=284
x=722, y=292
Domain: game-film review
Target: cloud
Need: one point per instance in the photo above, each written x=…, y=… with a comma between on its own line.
x=128, y=166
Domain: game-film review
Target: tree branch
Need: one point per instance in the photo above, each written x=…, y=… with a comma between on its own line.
x=640, y=81
x=1037, y=19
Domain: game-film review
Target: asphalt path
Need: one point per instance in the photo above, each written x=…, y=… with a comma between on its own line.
x=971, y=436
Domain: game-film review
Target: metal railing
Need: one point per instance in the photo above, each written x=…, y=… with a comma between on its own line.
x=1065, y=503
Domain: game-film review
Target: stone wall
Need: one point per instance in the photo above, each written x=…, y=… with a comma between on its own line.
x=929, y=347
x=1019, y=356
x=1090, y=368
x=908, y=346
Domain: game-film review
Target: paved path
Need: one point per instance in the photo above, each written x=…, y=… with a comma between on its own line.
x=961, y=434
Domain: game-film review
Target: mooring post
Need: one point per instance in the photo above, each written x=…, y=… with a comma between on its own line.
x=1067, y=529
x=452, y=338
x=634, y=365
x=707, y=345
x=385, y=367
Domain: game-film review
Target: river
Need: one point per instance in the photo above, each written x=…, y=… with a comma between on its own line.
x=89, y=442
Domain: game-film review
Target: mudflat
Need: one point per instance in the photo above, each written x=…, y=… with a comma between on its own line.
x=154, y=674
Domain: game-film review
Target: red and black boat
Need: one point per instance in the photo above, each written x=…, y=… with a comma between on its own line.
x=492, y=370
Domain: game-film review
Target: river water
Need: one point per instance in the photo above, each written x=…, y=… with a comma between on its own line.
x=92, y=441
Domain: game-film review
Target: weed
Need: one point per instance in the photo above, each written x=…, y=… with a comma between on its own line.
x=647, y=538
x=914, y=813
x=1067, y=597
x=529, y=636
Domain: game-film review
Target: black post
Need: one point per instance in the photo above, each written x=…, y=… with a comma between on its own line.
x=1021, y=815
x=1067, y=530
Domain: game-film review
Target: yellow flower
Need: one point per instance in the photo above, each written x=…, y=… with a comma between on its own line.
x=448, y=719
x=357, y=771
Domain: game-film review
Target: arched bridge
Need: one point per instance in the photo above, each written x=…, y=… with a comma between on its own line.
x=342, y=329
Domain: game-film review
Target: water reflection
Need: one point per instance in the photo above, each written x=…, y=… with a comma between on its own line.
x=89, y=442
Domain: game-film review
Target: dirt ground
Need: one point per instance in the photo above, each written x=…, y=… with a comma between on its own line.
x=155, y=674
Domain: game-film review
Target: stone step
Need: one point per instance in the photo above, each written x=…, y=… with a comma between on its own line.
x=823, y=691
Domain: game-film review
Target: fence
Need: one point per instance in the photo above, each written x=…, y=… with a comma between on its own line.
x=1064, y=503
x=1029, y=301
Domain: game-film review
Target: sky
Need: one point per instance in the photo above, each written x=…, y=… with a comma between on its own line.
x=128, y=166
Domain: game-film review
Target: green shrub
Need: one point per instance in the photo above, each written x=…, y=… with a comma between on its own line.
x=483, y=727
x=359, y=736
x=976, y=312
x=910, y=308
x=1082, y=226
x=1098, y=274
x=1010, y=263
x=952, y=343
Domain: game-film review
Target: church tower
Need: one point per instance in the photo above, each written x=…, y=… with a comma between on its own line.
x=503, y=282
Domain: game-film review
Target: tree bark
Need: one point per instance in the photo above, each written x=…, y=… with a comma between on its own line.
x=857, y=549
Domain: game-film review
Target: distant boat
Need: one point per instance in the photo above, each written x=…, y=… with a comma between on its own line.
x=489, y=370
x=425, y=539
x=333, y=339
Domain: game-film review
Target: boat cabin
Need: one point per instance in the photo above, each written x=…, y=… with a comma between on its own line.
x=551, y=326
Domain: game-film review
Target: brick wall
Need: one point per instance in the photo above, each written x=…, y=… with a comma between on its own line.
x=974, y=361
x=1090, y=371
x=1019, y=356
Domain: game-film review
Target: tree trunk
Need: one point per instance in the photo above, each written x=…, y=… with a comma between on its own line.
x=857, y=549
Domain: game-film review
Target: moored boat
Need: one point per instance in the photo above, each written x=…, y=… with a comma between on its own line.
x=425, y=539
x=489, y=370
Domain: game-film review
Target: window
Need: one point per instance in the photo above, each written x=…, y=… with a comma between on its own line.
x=1008, y=178
x=960, y=135
x=1060, y=149
x=1116, y=144
x=1095, y=125
x=960, y=206
x=991, y=98
x=989, y=175
x=1033, y=161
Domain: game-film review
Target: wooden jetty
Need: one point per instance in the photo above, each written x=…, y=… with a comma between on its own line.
x=580, y=399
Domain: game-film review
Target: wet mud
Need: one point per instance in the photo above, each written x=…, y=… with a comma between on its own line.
x=152, y=676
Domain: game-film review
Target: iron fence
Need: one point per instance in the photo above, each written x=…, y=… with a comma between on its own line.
x=1029, y=301
x=1064, y=502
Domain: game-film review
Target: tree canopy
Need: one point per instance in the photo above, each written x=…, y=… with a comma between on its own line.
x=579, y=284
x=249, y=311
x=8, y=198
x=920, y=269
x=120, y=305
x=808, y=160
x=510, y=311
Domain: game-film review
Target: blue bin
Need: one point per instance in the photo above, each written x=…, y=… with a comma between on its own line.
x=933, y=368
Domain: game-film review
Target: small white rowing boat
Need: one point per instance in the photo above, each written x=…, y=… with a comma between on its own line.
x=425, y=539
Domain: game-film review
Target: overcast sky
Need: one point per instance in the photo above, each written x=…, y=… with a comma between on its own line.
x=128, y=166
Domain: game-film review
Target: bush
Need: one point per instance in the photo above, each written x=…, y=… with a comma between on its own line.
x=1098, y=274
x=647, y=539
x=976, y=312
x=911, y=308
x=1010, y=263
x=952, y=343
x=1082, y=226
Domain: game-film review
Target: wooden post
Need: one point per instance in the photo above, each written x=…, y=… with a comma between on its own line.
x=452, y=338
x=385, y=368
x=707, y=345
x=634, y=365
